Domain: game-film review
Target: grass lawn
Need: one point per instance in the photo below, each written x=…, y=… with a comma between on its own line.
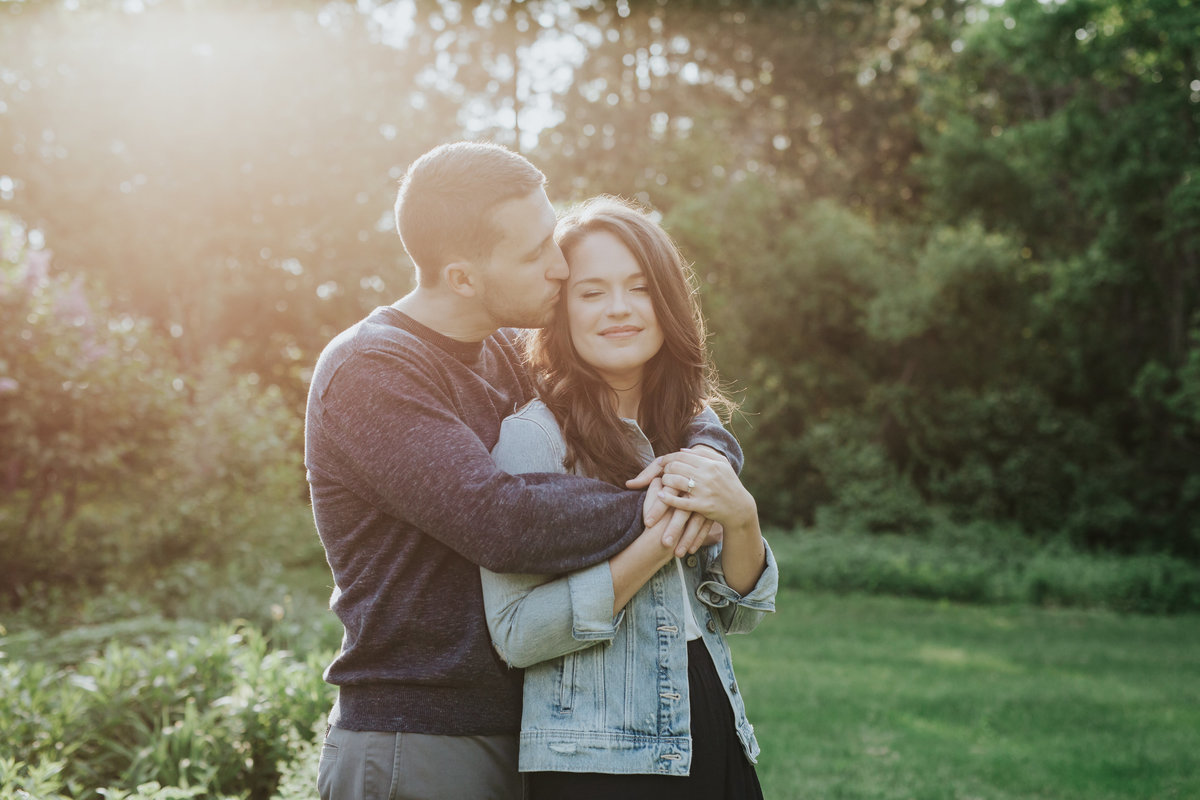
x=880, y=697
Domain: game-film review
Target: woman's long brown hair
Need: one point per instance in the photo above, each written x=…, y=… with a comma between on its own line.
x=678, y=381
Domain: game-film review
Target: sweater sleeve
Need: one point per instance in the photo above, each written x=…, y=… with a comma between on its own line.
x=533, y=618
x=707, y=429
x=412, y=456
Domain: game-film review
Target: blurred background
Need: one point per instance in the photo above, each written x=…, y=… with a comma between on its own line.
x=949, y=253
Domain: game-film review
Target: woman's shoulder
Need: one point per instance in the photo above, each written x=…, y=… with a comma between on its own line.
x=535, y=411
x=530, y=441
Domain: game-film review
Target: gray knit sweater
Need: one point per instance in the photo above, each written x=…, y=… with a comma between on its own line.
x=408, y=503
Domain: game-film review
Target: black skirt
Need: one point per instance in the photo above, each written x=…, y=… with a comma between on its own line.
x=719, y=770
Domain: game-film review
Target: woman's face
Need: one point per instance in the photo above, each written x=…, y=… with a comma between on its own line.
x=609, y=311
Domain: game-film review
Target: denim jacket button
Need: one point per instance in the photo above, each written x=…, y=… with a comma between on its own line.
x=712, y=626
x=733, y=687
x=692, y=560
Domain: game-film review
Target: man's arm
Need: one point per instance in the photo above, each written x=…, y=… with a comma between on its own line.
x=415, y=459
x=533, y=618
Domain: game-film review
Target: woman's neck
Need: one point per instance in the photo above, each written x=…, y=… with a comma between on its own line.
x=629, y=399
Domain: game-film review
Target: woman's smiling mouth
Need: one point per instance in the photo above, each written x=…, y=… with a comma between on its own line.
x=620, y=331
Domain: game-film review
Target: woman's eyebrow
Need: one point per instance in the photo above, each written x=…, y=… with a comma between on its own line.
x=637, y=276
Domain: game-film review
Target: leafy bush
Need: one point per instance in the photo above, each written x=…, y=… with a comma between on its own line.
x=888, y=371
x=299, y=775
x=984, y=563
x=87, y=397
x=34, y=781
x=118, y=462
x=218, y=710
x=290, y=609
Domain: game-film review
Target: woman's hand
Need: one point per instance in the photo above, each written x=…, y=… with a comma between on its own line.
x=703, y=482
x=706, y=484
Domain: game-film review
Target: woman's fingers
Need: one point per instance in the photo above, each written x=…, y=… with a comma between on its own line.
x=706, y=452
x=683, y=502
x=689, y=458
x=695, y=467
x=643, y=478
x=679, y=482
x=698, y=483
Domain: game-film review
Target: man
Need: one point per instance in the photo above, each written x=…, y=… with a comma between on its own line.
x=402, y=412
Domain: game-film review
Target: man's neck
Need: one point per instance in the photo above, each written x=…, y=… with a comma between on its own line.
x=447, y=313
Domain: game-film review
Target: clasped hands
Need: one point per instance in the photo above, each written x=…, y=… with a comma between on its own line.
x=683, y=498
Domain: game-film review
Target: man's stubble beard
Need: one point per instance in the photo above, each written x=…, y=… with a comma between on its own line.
x=508, y=313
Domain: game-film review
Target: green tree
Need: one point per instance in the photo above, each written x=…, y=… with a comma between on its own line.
x=1073, y=127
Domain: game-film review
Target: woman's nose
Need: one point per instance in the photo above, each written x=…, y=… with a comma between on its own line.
x=618, y=305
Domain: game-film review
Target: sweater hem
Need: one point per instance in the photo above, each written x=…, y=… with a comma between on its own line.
x=430, y=710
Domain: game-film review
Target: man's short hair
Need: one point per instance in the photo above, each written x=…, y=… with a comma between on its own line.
x=445, y=203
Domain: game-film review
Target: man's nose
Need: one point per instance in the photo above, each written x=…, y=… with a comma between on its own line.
x=558, y=270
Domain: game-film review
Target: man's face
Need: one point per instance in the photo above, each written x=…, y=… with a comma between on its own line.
x=521, y=283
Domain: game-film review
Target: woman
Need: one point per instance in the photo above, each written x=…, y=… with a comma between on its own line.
x=629, y=688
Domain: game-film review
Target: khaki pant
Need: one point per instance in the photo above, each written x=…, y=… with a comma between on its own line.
x=370, y=765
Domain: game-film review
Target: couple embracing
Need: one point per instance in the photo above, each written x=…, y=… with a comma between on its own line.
x=532, y=514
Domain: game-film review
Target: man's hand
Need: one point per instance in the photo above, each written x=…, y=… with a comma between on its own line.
x=691, y=531
x=653, y=507
x=696, y=534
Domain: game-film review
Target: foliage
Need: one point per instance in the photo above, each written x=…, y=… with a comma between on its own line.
x=218, y=710
x=23, y=781
x=299, y=776
x=116, y=461
x=1071, y=127
x=290, y=608
x=87, y=397
x=893, y=369
x=984, y=563
x=948, y=248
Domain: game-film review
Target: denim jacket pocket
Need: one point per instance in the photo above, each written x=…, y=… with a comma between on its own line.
x=568, y=666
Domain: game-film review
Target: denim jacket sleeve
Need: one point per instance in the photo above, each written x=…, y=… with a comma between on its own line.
x=534, y=618
x=738, y=613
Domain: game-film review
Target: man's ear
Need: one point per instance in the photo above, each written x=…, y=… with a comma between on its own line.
x=460, y=277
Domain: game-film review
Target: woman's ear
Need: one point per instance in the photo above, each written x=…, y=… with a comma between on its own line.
x=460, y=277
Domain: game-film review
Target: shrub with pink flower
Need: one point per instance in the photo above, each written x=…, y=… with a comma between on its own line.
x=112, y=455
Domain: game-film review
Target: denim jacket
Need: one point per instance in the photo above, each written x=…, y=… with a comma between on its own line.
x=605, y=694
